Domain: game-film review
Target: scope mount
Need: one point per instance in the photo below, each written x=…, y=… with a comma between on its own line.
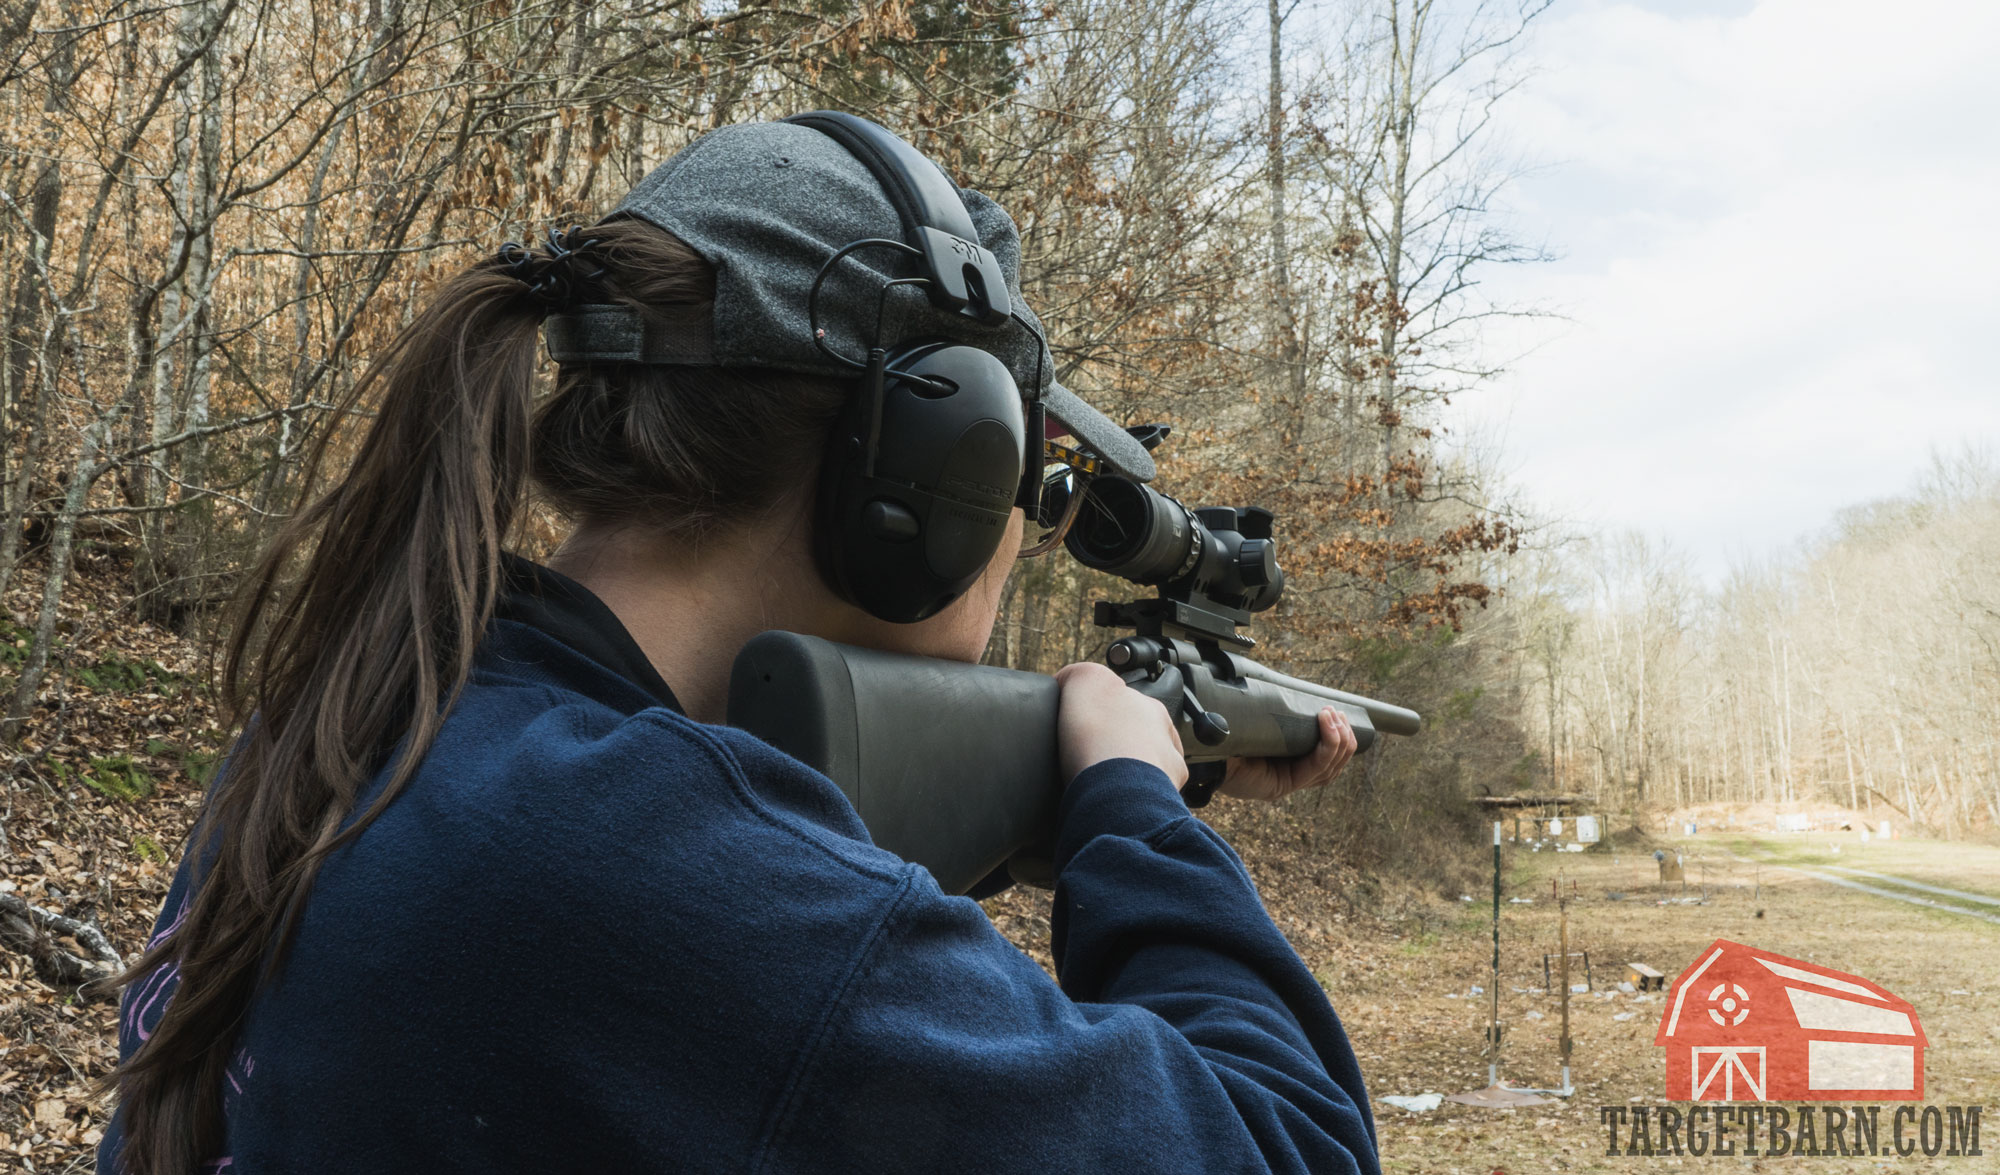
x=1168, y=616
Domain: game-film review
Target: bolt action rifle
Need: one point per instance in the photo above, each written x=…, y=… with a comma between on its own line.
x=954, y=766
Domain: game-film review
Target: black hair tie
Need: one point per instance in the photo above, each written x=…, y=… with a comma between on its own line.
x=552, y=278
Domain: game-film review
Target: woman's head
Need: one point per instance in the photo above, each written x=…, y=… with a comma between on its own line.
x=359, y=624
x=676, y=472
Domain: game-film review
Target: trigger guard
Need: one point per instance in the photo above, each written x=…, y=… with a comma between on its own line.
x=1203, y=779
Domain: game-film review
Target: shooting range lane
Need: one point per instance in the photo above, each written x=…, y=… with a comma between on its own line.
x=1908, y=884
x=1404, y=976
x=1907, y=898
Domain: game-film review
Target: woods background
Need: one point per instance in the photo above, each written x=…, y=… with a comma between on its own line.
x=1265, y=226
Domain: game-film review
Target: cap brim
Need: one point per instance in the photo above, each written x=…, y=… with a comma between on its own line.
x=1125, y=455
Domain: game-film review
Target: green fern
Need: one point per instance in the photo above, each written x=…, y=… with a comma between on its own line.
x=119, y=777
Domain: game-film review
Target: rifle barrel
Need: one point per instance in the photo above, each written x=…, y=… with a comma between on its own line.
x=1387, y=718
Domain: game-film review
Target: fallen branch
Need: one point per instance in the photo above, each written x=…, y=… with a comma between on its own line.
x=1885, y=799
x=33, y=931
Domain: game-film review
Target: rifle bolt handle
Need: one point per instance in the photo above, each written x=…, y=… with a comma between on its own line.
x=1133, y=653
x=1211, y=728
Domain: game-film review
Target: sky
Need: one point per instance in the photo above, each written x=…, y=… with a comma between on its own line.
x=1777, y=255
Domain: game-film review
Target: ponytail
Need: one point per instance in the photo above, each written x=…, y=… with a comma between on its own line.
x=356, y=631
x=400, y=572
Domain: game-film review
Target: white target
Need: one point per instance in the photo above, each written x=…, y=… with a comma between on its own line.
x=1728, y=1009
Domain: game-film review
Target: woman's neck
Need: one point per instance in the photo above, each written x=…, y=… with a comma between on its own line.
x=692, y=607
x=691, y=610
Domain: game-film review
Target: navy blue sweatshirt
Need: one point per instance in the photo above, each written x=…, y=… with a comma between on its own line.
x=595, y=935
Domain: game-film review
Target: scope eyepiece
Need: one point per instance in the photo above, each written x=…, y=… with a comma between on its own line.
x=1218, y=554
x=1133, y=532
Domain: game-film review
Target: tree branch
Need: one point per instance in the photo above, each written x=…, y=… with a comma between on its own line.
x=34, y=932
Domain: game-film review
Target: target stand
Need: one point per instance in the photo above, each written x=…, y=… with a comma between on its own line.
x=1498, y=1094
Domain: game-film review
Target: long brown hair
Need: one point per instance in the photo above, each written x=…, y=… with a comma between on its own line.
x=357, y=628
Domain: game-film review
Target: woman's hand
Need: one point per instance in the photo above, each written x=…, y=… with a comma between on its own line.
x=1272, y=779
x=1101, y=718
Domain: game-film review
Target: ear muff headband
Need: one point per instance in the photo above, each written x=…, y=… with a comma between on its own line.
x=964, y=275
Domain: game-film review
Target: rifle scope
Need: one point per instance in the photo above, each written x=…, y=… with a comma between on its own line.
x=1221, y=553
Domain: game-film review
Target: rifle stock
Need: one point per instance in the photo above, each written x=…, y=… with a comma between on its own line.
x=950, y=765
x=954, y=766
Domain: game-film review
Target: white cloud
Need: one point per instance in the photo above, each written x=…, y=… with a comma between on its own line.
x=1778, y=263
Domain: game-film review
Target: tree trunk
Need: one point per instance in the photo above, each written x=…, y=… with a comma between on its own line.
x=1291, y=365
x=25, y=350
x=1402, y=119
x=82, y=476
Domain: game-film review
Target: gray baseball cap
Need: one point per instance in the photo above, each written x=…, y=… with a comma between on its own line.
x=766, y=203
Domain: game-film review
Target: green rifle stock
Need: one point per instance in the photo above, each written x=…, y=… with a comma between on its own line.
x=953, y=766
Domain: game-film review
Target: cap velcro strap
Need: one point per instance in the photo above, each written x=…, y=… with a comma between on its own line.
x=620, y=334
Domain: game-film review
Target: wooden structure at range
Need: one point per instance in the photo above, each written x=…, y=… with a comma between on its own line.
x=1539, y=809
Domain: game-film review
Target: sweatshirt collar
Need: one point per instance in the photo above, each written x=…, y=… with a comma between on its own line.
x=568, y=612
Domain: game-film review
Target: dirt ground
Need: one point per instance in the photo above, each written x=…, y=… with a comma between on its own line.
x=1418, y=1029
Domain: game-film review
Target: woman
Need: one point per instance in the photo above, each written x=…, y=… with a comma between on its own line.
x=485, y=887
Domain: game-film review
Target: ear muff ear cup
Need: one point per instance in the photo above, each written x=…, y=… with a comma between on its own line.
x=907, y=539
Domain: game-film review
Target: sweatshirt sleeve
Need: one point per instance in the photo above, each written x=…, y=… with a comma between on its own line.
x=1186, y=1034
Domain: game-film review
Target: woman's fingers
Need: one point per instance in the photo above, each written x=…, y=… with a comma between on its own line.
x=1335, y=724
x=1272, y=779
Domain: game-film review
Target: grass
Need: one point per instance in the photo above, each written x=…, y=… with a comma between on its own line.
x=117, y=674
x=198, y=763
x=15, y=642
x=1974, y=868
x=1417, y=944
x=124, y=777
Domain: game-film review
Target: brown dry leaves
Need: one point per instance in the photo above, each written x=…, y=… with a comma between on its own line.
x=80, y=853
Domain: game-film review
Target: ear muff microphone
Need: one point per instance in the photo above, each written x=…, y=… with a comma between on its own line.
x=929, y=458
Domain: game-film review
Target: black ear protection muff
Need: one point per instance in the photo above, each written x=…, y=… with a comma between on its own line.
x=919, y=478
x=929, y=458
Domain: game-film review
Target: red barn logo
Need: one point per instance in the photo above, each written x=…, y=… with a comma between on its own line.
x=1747, y=1025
